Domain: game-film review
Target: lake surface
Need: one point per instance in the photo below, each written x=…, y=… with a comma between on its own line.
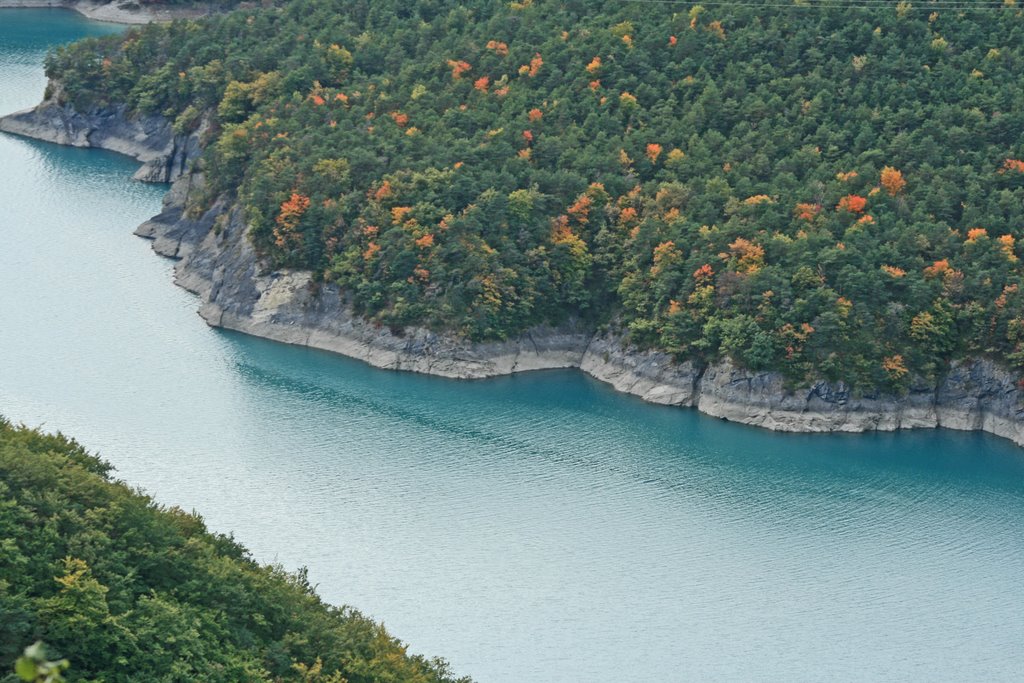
x=535, y=528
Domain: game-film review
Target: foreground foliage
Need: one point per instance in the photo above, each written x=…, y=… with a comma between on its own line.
x=35, y=666
x=823, y=190
x=130, y=591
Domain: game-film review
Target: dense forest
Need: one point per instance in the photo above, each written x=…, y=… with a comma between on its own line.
x=130, y=591
x=823, y=188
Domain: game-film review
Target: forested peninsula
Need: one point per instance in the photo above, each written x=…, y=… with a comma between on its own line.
x=128, y=590
x=801, y=216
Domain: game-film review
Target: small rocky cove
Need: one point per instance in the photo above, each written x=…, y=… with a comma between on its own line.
x=217, y=262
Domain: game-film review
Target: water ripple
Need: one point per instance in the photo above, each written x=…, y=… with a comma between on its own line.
x=537, y=527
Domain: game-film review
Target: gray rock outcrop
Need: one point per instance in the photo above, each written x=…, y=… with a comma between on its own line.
x=165, y=156
x=237, y=291
x=118, y=11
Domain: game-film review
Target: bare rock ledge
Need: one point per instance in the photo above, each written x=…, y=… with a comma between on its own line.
x=217, y=263
x=120, y=12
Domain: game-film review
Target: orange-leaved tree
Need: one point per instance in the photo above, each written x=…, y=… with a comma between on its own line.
x=893, y=180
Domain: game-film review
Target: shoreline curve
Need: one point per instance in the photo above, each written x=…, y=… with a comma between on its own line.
x=218, y=264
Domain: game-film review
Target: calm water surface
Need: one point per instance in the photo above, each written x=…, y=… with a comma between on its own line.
x=535, y=528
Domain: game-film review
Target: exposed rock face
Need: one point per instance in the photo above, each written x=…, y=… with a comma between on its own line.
x=651, y=375
x=974, y=395
x=218, y=263
x=118, y=12
x=221, y=266
x=164, y=155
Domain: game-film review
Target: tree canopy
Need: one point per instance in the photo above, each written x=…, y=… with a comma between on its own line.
x=822, y=189
x=128, y=590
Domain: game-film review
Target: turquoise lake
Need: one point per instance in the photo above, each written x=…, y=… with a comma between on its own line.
x=537, y=528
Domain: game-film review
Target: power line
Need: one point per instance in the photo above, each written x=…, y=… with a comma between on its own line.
x=932, y=5
x=840, y=4
x=851, y=5
x=920, y=4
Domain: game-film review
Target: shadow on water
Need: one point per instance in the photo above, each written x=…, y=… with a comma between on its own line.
x=683, y=437
x=534, y=527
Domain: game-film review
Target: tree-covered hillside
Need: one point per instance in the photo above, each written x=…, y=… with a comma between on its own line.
x=130, y=591
x=825, y=188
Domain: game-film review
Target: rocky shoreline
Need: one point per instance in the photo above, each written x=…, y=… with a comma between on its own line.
x=164, y=155
x=113, y=12
x=218, y=264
